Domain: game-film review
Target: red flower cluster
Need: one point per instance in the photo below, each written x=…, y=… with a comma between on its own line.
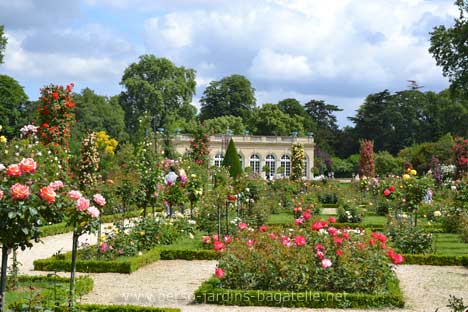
x=389, y=191
x=56, y=115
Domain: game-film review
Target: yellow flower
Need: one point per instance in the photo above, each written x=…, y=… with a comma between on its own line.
x=3, y=139
x=406, y=177
x=413, y=172
x=142, y=233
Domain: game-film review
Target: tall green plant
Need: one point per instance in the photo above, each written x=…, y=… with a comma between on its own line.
x=297, y=161
x=232, y=161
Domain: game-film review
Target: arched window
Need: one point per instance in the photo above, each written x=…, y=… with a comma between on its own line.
x=286, y=164
x=218, y=160
x=270, y=161
x=306, y=167
x=255, y=163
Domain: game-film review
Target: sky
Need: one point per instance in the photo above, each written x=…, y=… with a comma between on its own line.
x=335, y=50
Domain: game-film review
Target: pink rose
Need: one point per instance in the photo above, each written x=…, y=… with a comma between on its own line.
x=286, y=241
x=326, y=263
x=332, y=219
x=19, y=191
x=227, y=239
x=99, y=199
x=28, y=165
x=74, y=195
x=206, y=239
x=56, y=185
x=317, y=226
x=320, y=254
x=82, y=204
x=47, y=193
x=242, y=226
x=250, y=243
x=14, y=170
x=306, y=215
x=218, y=246
x=299, y=221
x=300, y=241
x=93, y=211
x=332, y=231
x=104, y=247
x=1, y=194
x=2, y=167
x=262, y=228
x=379, y=236
x=219, y=273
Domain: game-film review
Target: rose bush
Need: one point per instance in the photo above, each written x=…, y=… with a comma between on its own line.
x=313, y=256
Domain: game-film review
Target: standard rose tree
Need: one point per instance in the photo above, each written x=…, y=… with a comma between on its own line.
x=23, y=203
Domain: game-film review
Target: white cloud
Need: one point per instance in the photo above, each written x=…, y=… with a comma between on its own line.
x=269, y=64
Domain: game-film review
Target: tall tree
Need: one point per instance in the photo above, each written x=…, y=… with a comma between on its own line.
x=95, y=112
x=232, y=95
x=222, y=124
x=270, y=120
x=323, y=115
x=157, y=87
x=12, y=105
x=3, y=42
x=293, y=108
x=449, y=48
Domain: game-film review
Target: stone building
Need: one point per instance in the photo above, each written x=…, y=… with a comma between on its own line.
x=257, y=152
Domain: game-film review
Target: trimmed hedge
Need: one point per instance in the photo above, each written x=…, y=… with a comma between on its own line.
x=61, y=228
x=210, y=293
x=83, y=284
x=122, y=308
x=330, y=205
x=185, y=254
x=431, y=259
x=62, y=263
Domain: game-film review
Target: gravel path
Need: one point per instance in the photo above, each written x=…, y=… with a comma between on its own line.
x=172, y=283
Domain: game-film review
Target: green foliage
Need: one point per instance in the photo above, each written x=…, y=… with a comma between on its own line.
x=342, y=167
x=349, y=214
x=231, y=160
x=328, y=198
x=3, y=42
x=97, y=113
x=297, y=161
x=232, y=95
x=210, y=292
x=448, y=47
x=12, y=102
x=199, y=146
x=433, y=259
x=323, y=115
x=157, y=87
x=410, y=239
x=221, y=124
x=188, y=254
x=270, y=120
x=122, y=308
x=386, y=164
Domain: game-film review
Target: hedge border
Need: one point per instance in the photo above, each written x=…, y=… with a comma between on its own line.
x=62, y=263
x=123, y=308
x=434, y=259
x=188, y=254
x=209, y=293
x=83, y=284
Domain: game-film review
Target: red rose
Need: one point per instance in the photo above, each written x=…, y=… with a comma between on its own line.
x=14, y=170
x=387, y=192
x=218, y=246
x=391, y=188
x=219, y=273
x=47, y=193
x=55, y=95
x=28, y=165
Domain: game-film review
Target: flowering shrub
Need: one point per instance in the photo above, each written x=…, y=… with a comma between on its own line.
x=199, y=147
x=366, y=159
x=460, y=150
x=297, y=161
x=313, y=256
x=410, y=239
x=349, y=214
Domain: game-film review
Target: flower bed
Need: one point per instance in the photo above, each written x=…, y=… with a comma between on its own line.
x=311, y=258
x=123, y=308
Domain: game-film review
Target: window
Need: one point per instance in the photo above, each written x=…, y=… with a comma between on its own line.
x=255, y=163
x=271, y=164
x=241, y=160
x=218, y=160
x=306, y=167
x=286, y=164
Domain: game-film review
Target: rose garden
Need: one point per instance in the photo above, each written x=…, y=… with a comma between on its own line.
x=112, y=216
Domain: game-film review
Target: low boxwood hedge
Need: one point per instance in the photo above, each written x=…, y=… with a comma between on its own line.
x=123, y=308
x=83, y=284
x=210, y=293
x=187, y=254
x=62, y=263
x=431, y=259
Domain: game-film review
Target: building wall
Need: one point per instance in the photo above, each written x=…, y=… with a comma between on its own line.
x=250, y=145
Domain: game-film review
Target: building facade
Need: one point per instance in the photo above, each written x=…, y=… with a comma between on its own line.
x=257, y=152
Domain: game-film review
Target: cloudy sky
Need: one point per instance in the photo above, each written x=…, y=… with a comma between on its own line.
x=335, y=50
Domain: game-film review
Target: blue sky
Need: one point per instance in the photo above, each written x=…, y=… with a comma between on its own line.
x=336, y=50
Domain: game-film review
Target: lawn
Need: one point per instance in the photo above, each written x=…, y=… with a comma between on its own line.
x=450, y=245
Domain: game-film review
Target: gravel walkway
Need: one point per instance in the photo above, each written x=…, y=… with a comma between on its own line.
x=172, y=283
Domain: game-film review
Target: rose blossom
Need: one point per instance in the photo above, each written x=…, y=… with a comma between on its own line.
x=99, y=199
x=74, y=195
x=242, y=226
x=306, y=215
x=326, y=263
x=332, y=219
x=300, y=241
x=299, y=221
x=1, y=194
x=47, y=193
x=82, y=204
x=250, y=243
x=19, y=191
x=2, y=167
x=332, y=231
x=56, y=185
x=93, y=211
x=227, y=239
x=104, y=247
x=387, y=192
x=262, y=228
x=219, y=273
x=286, y=241
x=218, y=245
x=28, y=165
x=14, y=170
x=206, y=239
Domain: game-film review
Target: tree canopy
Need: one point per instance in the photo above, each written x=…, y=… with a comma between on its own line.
x=232, y=95
x=13, y=106
x=222, y=124
x=3, y=42
x=270, y=120
x=157, y=87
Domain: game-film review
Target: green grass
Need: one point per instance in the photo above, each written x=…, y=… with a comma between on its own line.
x=287, y=218
x=449, y=245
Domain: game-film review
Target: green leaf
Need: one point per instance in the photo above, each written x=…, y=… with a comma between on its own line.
x=11, y=214
x=25, y=230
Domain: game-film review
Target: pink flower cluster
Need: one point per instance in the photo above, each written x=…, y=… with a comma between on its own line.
x=83, y=204
x=27, y=165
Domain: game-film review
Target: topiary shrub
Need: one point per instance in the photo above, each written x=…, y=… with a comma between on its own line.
x=232, y=161
x=411, y=240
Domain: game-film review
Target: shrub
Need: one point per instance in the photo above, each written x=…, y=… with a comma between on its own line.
x=410, y=239
x=232, y=161
x=382, y=207
x=349, y=214
x=328, y=198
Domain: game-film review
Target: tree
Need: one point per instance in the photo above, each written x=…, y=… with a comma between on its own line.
x=96, y=113
x=232, y=95
x=449, y=48
x=12, y=105
x=323, y=115
x=157, y=87
x=231, y=161
x=366, y=159
x=270, y=120
x=293, y=108
x=223, y=123
x=3, y=43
